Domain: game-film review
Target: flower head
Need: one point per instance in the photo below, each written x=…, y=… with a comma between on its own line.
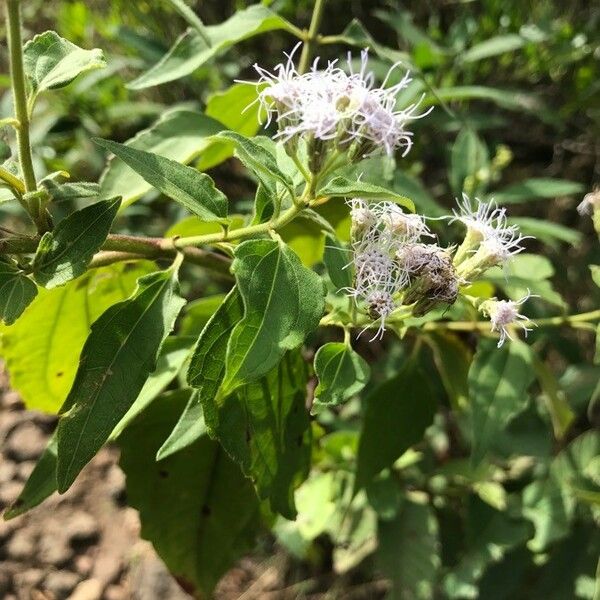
x=503, y=314
x=337, y=104
x=489, y=240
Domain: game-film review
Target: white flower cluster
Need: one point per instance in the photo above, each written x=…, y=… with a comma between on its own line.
x=332, y=104
x=390, y=263
x=392, y=267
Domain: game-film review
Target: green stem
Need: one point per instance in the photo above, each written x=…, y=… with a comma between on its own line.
x=242, y=232
x=574, y=320
x=192, y=19
x=311, y=38
x=17, y=74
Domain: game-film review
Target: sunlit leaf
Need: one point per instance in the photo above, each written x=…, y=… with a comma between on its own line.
x=180, y=135
x=64, y=253
x=191, y=51
x=117, y=358
x=341, y=372
x=42, y=360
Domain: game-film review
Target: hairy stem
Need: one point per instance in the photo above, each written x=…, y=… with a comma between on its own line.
x=15, y=49
x=311, y=39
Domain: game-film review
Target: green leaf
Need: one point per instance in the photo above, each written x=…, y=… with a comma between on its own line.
x=346, y=188
x=198, y=312
x=189, y=428
x=17, y=292
x=264, y=427
x=258, y=159
x=42, y=481
x=174, y=353
x=397, y=414
x=237, y=109
x=191, y=51
x=355, y=34
x=490, y=535
x=196, y=507
x=533, y=189
x=547, y=231
x=180, y=135
x=493, y=46
x=186, y=185
x=508, y=99
x=207, y=367
x=550, y=511
x=498, y=382
x=52, y=62
x=64, y=253
x=342, y=373
x=42, y=360
x=337, y=259
x=119, y=354
x=61, y=192
x=283, y=303
x=305, y=237
x=573, y=476
x=409, y=552
x=469, y=155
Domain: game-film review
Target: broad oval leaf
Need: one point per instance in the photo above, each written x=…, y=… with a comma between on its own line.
x=264, y=426
x=283, y=303
x=346, y=188
x=17, y=292
x=191, y=50
x=64, y=253
x=52, y=62
x=119, y=354
x=342, y=373
x=180, y=135
x=198, y=510
x=498, y=382
x=397, y=414
x=42, y=361
x=186, y=185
